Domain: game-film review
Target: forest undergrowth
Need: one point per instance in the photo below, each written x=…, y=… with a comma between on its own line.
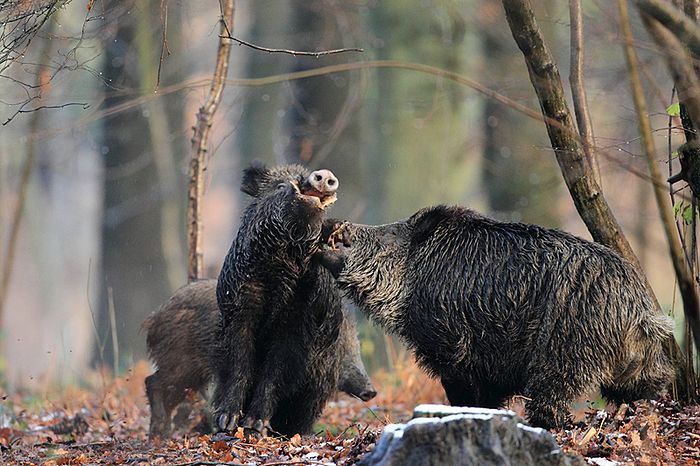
x=106, y=422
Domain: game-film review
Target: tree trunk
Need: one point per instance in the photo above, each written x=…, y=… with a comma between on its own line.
x=132, y=262
x=200, y=144
x=686, y=283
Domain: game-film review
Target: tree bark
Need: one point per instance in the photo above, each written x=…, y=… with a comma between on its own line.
x=675, y=20
x=200, y=144
x=576, y=169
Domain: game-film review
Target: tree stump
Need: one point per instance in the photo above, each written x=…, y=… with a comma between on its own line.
x=450, y=435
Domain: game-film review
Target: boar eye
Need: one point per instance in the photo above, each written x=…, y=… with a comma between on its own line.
x=281, y=186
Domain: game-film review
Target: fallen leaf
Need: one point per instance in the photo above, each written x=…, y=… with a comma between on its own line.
x=295, y=440
x=219, y=446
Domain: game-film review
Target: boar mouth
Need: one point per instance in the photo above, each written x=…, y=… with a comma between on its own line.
x=315, y=197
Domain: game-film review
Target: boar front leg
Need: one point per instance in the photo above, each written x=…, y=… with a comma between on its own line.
x=234, y=365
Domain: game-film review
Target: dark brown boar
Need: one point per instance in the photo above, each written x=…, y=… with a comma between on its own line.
x=496, y=309
x=180, y=336
x=279, y=310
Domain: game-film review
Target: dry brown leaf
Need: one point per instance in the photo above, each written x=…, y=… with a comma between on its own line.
x=227, y=457
x=295, y=440
x=219, y=446
x=636, y=440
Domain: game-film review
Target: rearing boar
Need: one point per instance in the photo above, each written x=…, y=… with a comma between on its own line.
x=280, y=313
x=496, y=309
x=181, y=335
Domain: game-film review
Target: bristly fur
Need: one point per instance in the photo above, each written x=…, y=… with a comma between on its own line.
x=496, y=309
x=181, y=336
x=279, y=312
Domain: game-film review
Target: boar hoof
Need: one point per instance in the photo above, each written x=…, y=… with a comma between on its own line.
x=340, y=234
x=256, y=427
x=227, y=422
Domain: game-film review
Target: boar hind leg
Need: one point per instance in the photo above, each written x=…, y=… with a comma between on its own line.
x=281, y=373
x=466, y=392
x=550, y=394
x=163, y=397
x=160, y=417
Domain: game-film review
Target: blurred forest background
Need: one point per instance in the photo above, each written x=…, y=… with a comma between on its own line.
x=102, y=240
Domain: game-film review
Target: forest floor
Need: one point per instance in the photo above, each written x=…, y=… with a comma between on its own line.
x=106, y=422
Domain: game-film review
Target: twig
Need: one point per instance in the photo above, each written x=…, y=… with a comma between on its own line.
x=282, y=463
x=79, y=446
x=85, y=106
x=290, y=51
x=113, y=326
x=164, y=50
x=341, y=434
x=209, y=463
x=578, y=89
x=100, y=342
x=590, y=433
x=200, y=147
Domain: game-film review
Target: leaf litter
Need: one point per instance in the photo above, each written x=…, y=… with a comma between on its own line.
x=107, y=423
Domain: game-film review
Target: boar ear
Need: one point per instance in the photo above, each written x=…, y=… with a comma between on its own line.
x=426, y=221
x=252, y=177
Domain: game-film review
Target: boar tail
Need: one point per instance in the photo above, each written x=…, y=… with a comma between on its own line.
x=656, y=327
x=646, y=371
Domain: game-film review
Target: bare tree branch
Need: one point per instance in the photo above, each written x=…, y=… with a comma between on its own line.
x=682, y=71
x=691, y=301
x=19, y=23
x=200, y=145
x=578, y=90
x=28, y=18
x=164, y=50
x=674, y=20
x=85, y=106
x=289, y=51
x=441, y=73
